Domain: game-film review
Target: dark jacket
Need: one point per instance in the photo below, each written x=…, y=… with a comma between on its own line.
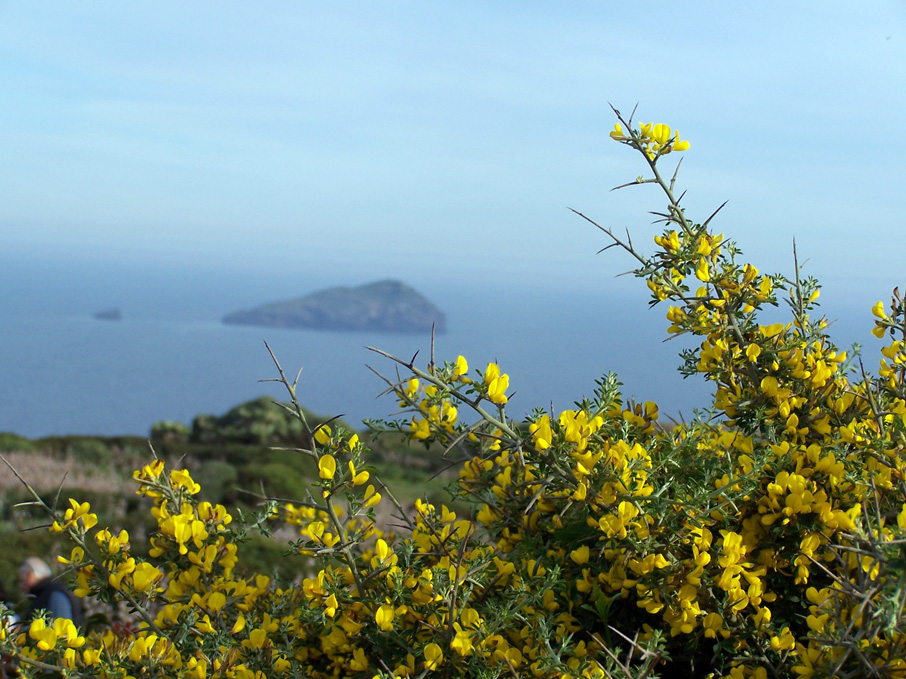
x=52, y=596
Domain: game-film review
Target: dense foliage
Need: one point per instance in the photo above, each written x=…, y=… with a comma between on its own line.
x=763, y=539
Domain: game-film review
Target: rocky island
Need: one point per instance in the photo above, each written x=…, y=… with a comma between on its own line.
x=385, y=306
x=109, y=315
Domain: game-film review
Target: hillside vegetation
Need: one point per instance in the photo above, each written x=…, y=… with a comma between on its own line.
x=764, y=539
x=241, y=458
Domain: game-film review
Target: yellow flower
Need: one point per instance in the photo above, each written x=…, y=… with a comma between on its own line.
x=383, y=552
x=580, y=555
x=181, y=478
x=581, y=492
x=322, y=434
x=141, y=647
x=112, y=543
x=384, y=617
x=412, y=387
x=371, y=497
x=330, y=605
x=75, y=557
x=184, y=527
x=433, y=656
x=78, y=513
x=327, y=467
x=753, y=352
x=151, y=471
x=216, y=601
x=670, y=242
x=462, y=642
x=769, y=386
x=239, y=625
x=541, y=432
x=123, y=569
x=816, y=623
x=713, y=625
x=420, y=429
x=784, y=642
x=769, y=331
x=45, y=636
x=660, y=134
x=66, y=630
x=204, y=625
x=460, y=369
x=360, y=478
x=497, y=384
x=257, y=638
x=144, y=577
x=359, y=662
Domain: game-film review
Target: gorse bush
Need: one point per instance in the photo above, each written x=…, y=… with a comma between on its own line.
x=763, y=539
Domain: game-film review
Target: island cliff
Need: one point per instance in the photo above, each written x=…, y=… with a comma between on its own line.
x=385, y=306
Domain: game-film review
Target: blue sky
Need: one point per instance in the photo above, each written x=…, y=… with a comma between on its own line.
x=446, y=140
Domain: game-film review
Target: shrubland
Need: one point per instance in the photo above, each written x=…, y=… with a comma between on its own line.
x=765, y=538
x=238, y=458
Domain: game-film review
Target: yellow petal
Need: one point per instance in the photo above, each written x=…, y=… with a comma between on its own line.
x=322, y=435
x=327, y=467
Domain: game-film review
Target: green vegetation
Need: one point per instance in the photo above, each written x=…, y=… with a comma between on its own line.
x=240, y=458
x=762, y=540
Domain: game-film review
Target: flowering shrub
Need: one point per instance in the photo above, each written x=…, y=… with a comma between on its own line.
x=763, y=539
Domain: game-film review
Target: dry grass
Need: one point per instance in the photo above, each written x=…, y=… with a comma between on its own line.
x=45, y=473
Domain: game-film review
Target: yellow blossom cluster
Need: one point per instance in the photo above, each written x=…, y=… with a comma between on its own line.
x=654, y=139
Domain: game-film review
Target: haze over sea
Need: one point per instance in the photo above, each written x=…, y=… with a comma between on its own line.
x=184, y=160
x=171, y=358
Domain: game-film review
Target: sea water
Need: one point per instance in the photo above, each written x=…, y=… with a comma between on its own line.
x=62, y=371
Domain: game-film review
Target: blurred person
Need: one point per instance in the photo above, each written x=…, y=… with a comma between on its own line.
x=46, y=593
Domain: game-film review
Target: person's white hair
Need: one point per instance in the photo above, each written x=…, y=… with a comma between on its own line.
x=37, y=567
